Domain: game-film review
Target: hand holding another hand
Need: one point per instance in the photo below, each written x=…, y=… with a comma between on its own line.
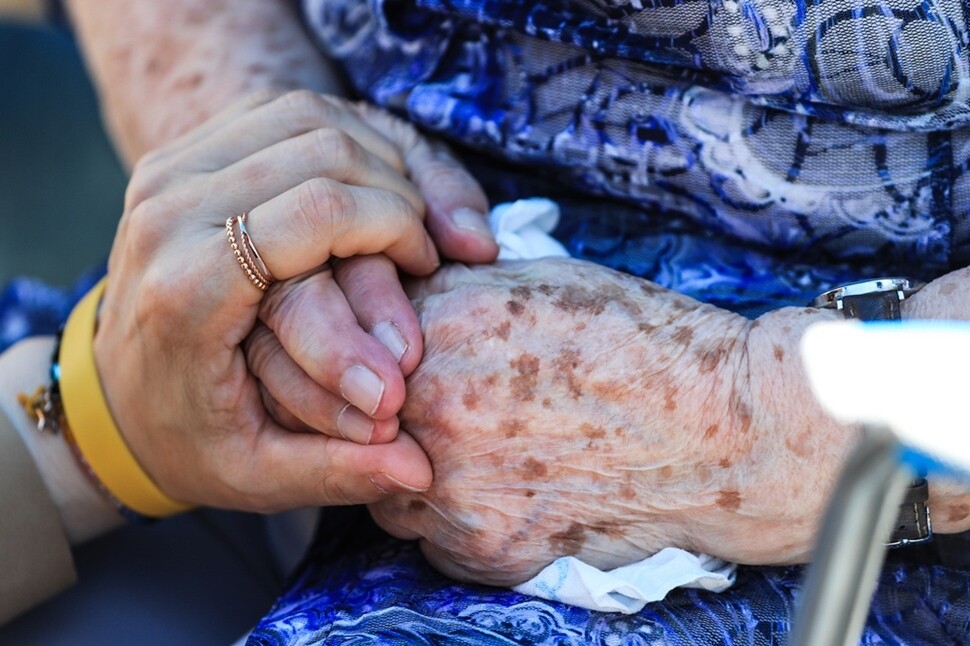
x=318, y=183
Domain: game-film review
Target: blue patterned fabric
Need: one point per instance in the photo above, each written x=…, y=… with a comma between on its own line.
x=822, y=130
x=358, y=586
x=29, y=307
x=749, y=153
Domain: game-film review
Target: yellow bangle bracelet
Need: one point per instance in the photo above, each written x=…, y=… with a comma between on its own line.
x=92, y=427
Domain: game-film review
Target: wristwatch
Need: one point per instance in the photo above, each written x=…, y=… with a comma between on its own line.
x=878, y=300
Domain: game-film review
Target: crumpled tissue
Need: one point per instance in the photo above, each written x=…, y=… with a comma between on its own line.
x=522, y=230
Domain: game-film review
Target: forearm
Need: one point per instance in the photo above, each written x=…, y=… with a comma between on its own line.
x=164, y=67
x=796, y=472
x=84, y=512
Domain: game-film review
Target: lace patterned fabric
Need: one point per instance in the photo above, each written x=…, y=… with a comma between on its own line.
x=830, y=129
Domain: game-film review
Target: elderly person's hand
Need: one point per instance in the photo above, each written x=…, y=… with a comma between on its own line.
x=308, y=358
x=178, y=307
x=571, y=410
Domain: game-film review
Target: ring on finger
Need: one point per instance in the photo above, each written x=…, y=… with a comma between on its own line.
x=246, y=254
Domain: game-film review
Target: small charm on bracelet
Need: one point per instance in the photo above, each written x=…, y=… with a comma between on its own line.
x=45, y=407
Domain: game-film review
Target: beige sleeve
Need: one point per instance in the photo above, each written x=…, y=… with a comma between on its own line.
x=35, y=556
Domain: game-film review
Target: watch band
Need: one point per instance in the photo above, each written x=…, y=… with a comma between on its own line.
x=877, y=306
x=878, y=300
x=913, y=523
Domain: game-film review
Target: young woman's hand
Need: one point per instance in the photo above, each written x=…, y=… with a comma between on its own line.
x=318, y=184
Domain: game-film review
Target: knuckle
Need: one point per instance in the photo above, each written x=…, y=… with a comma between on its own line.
x=334, y=144
x=146, y=181
x=305, y=108
x=148, y=224
x=323, y=202
x=160, y=300
x=403, y=208
x=263, y=95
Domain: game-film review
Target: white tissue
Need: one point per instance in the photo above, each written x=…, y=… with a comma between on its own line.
x=522, y=229
x=629, y=588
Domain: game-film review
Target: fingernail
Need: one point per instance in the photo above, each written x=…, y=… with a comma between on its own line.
x=362, y=388
x=354, y=425
x=387, y=484
x=471, y=220
x=389, y=334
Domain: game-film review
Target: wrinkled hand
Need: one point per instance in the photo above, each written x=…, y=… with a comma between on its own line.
x=315, y=351
x=571, y=410
x=178, y=308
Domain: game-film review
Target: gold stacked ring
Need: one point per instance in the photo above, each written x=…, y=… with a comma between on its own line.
x=245, y=252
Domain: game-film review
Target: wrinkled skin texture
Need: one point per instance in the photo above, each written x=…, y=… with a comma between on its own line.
x=571, y=410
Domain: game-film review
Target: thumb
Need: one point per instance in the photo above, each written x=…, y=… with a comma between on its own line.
x=310, y=469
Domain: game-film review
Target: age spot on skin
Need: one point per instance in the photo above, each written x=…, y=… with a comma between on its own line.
x=577, y=299
x=566, y=364
x=511, y=427
x=547, y=403
x=613, y=528
x=522, y=292
x=683, y=335
x=546, y=289
x=670, y=400
x=956, y=513
x=646, y=328
x=627, y=492
x=530, y=493
x=729, y=500
x=743, y=411
x=711, y=431
x=801, y=444
x=568, y=542
x=515, y=307
x=503, y=330
x=592, y=432
x=524, y=384
x=470, y=398
x=534, y=469
x=779, y=353
x=710, y=359
x=190, y=82
x=725, y=463
x=417, y=506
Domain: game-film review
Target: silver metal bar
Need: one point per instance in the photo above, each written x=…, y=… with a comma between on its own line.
x=851, y=548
